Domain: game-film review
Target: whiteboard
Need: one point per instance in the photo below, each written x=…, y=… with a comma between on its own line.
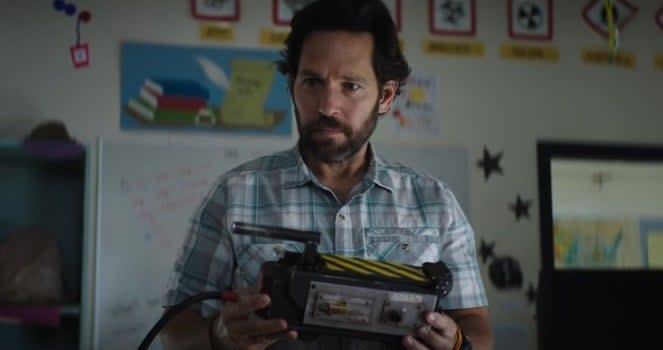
x=146, y=195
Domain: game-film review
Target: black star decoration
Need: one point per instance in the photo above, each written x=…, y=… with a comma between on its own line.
x=486, y=250
x=521, y=208
x=531, y=293
x=490, y=163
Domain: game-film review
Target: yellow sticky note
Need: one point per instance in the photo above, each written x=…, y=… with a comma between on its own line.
x=453, y=48
x=273, y=37
x=244, y=101
x=213, y=32
x=658, y=61
x=601, y=56
x=530, y=52
x=655, y=249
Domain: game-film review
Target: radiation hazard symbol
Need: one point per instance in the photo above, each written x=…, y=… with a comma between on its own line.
x=530, y=19
x=452, y=17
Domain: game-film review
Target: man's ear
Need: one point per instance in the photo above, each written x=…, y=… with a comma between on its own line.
x=387, y=96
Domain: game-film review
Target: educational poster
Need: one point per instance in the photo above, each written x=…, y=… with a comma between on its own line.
x=596, y=243
x=168, y=87
x=651, y=231
x=416, y=111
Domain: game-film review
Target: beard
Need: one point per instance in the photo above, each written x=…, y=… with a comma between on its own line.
x=325, y=150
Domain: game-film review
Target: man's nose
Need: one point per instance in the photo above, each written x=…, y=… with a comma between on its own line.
x=330, y=101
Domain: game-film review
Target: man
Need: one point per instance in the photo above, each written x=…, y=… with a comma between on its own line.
x=344, y=68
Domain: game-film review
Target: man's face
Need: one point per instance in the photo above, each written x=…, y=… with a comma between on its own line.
x=336, y=95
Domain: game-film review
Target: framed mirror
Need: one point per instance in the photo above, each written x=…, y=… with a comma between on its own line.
x=601, y=226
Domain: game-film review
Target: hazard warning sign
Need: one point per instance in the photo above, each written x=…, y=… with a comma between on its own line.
x=659, y=18
x=530, y=19
x=596, y=15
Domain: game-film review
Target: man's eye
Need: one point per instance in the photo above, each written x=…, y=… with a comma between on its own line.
x=352, y=86
x=311, y=82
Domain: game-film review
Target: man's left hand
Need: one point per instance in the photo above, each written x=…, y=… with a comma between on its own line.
x=438, y=332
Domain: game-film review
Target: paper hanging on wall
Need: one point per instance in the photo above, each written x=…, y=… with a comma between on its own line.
x=452, y=17
x=596, y=16
x=658, y=61
x=78, y=52
x=531, y=19
x=416, y=110
x=189, y=88
x=226, y=11
x=217, y=32
x=621, y=59
x=250, y=83
x=654, y=249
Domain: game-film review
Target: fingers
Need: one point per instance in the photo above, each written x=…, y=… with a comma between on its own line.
x=410, y=343
x=441, y=323
x=438, y=332
x=244, y=330
x=246, y=305
x=258, y=334
x=257, y=327
x=272, y=337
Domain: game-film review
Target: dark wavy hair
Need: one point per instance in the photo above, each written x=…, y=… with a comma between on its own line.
x=370, y=16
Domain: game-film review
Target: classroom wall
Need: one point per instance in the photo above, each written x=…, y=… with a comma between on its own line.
x=504, y=105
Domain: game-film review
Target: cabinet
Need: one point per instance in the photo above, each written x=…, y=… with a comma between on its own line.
x=47, y=195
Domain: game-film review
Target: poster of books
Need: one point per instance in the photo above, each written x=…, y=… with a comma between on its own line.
x=212, y=89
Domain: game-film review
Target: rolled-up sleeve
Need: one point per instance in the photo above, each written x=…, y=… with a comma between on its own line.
x=458, y=252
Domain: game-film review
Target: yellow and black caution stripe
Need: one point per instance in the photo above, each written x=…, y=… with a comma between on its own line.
x=367, y=267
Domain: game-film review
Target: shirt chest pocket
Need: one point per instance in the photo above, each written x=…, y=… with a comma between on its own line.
x=412, y=246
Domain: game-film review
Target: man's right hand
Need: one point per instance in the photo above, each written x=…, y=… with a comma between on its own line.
x=243, y=329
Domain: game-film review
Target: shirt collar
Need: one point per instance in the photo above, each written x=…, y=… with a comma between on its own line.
x=303, y=174
x=377, y=170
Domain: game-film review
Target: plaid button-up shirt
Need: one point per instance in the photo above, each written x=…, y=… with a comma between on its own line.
x=395, y=214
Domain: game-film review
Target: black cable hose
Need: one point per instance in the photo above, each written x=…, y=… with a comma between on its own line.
x=175, y=309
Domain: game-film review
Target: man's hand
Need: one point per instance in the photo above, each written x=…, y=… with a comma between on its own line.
x=439, y=332
x=243, y=329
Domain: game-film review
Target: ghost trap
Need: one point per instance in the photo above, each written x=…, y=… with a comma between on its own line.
x=335, y=295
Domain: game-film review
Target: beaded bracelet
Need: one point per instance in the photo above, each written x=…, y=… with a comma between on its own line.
x=459, y=339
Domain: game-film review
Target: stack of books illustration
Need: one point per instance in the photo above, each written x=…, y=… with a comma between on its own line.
x=172, y=102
